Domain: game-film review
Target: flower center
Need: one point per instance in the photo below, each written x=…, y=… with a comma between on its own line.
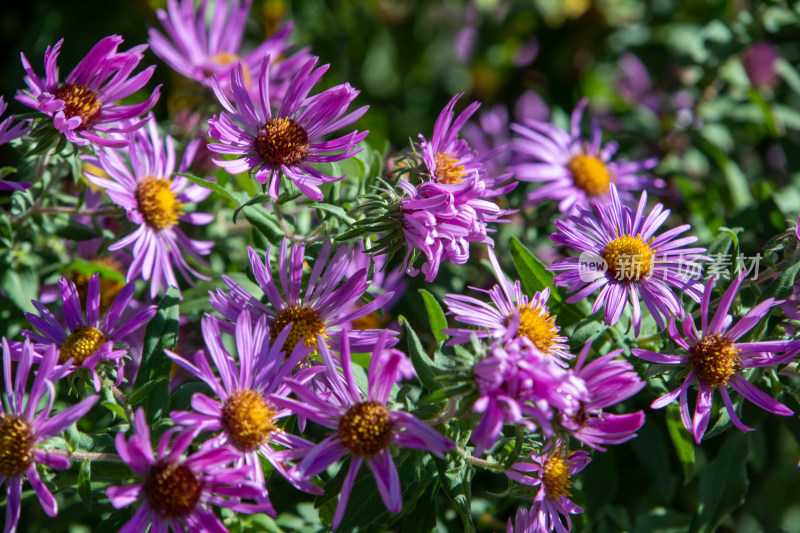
x=555, y=476
x=589, y=174
x=109, y=289
x=537, y=325
x=80, y=101
x=629, y=258
x=282, y=141
x=16, y=445
x=157, y=203
x=224, y=59
x=365, y=429
x=247, y=419
x=715, y=360
x=448, y=171
x=306, y=323
x=172, y=489
x=81, y=344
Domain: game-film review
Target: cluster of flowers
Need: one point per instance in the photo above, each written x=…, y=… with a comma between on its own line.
x=294, y=344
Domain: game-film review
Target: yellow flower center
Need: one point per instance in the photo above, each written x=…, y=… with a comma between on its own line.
x=16, y=445
x=537, y=325
x=81, y=344
x=366, y=428
x=109, y=289
x=226, y=58
x=247, y=418
x=715, y=360
x=80, y=101
x=157, y=203
x=172, y=489
x=629, y=258
x=589, y=174
x=555, y=476
x=306, y=323
x=448, y=171
x=282, y=141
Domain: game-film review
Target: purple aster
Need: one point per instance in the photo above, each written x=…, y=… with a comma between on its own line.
x=384, y=280
x=23, y=427
x=288, y=142
x=553, y=473
x=621, y=256
x=241, y=415
x=177, y=492
x=608, y=381
x=86, y=341
x=199, y=46
x=575, y=170
x=142, y=179
x=509, y=307
x=716, y=360
x=83, y=107
x=521, y=523
x=319, y=312
x=363, y=426
x=9, y=133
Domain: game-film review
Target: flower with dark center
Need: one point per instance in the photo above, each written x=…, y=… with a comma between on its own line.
x=24, y=426
x=84, y=107
x=715, y=359
x=361, y=425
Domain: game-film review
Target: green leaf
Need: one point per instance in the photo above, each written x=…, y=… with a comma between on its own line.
x=85, y=483
x=210, y=185
x=455, y=474
x=783, y=286
x=81, y=266
x=788, y=73
x=265, y=222
x=422, y=518
x=682, y=440
x=21, y=287
x=258, y=199
x=532, y=272
x=334, y=210
x=140, y=393
x=117, y=409
x=435, y=316
x=443, y=394
x=420, y=359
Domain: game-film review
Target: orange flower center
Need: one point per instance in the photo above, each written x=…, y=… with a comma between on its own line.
x=629, y=258
x=448, y=171
x=157, y=203
x=172, y=489
x=81, y=344
x=589, y=174
x=247, y=419
x=366, y=428
x=16, y=445
x=715, y=360
x=80, y=101
x=282, y=141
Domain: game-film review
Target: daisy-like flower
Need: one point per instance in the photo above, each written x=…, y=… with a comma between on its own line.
x=199, y=49
x=287, y=142
x=622, y=256
x=142, y=179
x=716, y=360
x=530, y=317
x=608, y=380
x=363, y=426
x=553, y=473
x=575, y=170
x=84, y=107
x=86, y=341
x=177, y=492
x=242, y=416
x=317, y=313
x=23, y=427
x=9, y=132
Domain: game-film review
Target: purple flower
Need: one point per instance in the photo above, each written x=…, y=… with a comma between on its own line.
x=633, y=83
x=575, y=170
x=319, y=312
x=23, y=427
x=759, y=63
x=242, y=416
x=716, y=361
x=521, y=523
x=178, y=492
x=199, y=49
x=142, y=179
x=285, y=143
x=363, y=426
x=83, y=107
x=9, y=133
x=509, y=310
x=86, y=341
x=384, y=280
x=553, y=471
x=621, y=255
x=608, y=381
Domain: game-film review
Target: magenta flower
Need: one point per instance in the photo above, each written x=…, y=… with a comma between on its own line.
x=23, y=427
x=716, y=361
x=521, y=523
x=198, y=46
x=9, y=133
x=608, y=381
x=178, y=492
x=320, y=312
x=363, y=426
x=83, y=107
x=509, y=308
x=242, y=416
x=143, y=181
x=86, y=341
x=553, y=475
x=285, y=143
x=759, y=63
x=574, y=170
x=633, y=262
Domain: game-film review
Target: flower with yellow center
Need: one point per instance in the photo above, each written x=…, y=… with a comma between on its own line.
x=306, y=324
x=556, y=477
x=248, y=419
x=365, y=429
x=80, y=101
x=109, y=288
x=157, y=203
x=538, y=326
x=282, y=141
x=81, y=344
x=629, y=258
x=172, y=489
x=589, y=174
x=16, y=445
x=448, y=169
x=715, y=360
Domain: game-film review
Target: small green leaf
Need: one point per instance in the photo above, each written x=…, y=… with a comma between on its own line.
x=116, y=409
x=140, y=393
x=88, y=268
x=783, y=286
x=258, y=199
x=334, y=210
x=85, y=483
x=455, y=474
x=682, y=440
x=265, y=222
x=532, y=272
x=420, y=359
x=210, y=185
x=435, y=316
